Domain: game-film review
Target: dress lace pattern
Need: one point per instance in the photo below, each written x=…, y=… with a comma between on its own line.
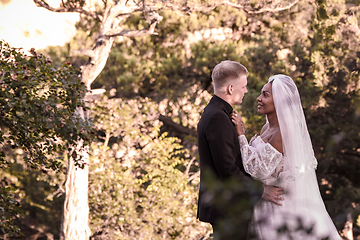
x=261, y=160
x=302, y=201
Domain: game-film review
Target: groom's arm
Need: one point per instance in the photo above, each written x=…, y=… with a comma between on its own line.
x=273, y=194
x=222, y=145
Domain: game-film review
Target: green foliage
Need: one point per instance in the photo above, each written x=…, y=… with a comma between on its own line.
x=37, y=118
x=9, y=208
x=334, y=126
x=41, y=197
x=138, y=186
x=38, y=105
x=166, y=65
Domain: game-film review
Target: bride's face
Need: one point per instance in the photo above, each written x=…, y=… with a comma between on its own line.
x=265, y=100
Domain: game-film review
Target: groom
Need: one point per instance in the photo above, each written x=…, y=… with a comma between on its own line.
x=220, y=158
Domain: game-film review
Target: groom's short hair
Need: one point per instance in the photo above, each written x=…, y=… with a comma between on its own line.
x=227, y=70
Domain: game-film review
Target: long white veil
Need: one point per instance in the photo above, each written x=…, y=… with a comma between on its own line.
x=299, y=178
x=295, y=136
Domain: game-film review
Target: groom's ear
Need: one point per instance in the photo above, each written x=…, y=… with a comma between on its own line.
x=230, y=89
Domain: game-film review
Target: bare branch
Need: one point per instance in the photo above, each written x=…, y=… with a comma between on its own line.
x=130, y=33
x=178, y=127
x=44, y=4
x=155, y=18
x=94, y=94
x=197, y=174
x=86, y=52
x=188, y=166
x=278, y=9
x=194, y=8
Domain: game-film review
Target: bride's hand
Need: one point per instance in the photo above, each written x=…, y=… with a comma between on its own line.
x=236, y=119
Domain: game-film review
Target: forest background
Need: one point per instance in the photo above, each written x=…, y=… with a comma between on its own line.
x=143, y=162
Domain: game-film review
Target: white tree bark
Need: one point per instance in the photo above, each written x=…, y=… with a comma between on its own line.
x=75, y=219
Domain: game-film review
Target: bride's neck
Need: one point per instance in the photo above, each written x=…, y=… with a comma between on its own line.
x=273, y=121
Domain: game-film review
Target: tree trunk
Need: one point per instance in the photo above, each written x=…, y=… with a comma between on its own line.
x=75, y=219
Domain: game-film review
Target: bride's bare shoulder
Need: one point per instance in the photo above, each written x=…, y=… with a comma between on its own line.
x=276, y=141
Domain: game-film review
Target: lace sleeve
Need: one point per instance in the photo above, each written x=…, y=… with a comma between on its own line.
x=259, y=160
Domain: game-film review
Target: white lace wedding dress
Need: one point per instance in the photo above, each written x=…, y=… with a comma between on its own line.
x=303, y=215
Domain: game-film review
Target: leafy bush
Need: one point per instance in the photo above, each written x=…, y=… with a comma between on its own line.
x=139, y=185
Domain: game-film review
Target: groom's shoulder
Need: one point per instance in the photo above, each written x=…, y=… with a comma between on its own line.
x=212, y=109
x=212, y=112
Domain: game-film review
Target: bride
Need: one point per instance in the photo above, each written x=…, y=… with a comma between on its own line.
x=283, y=156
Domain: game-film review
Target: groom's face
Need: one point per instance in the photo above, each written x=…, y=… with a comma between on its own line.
x=239, y=89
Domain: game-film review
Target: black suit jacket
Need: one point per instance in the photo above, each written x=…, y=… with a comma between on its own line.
x=219, y=152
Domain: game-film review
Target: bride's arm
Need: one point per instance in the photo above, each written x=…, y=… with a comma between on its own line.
x=262, y=161
x=259, y=161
